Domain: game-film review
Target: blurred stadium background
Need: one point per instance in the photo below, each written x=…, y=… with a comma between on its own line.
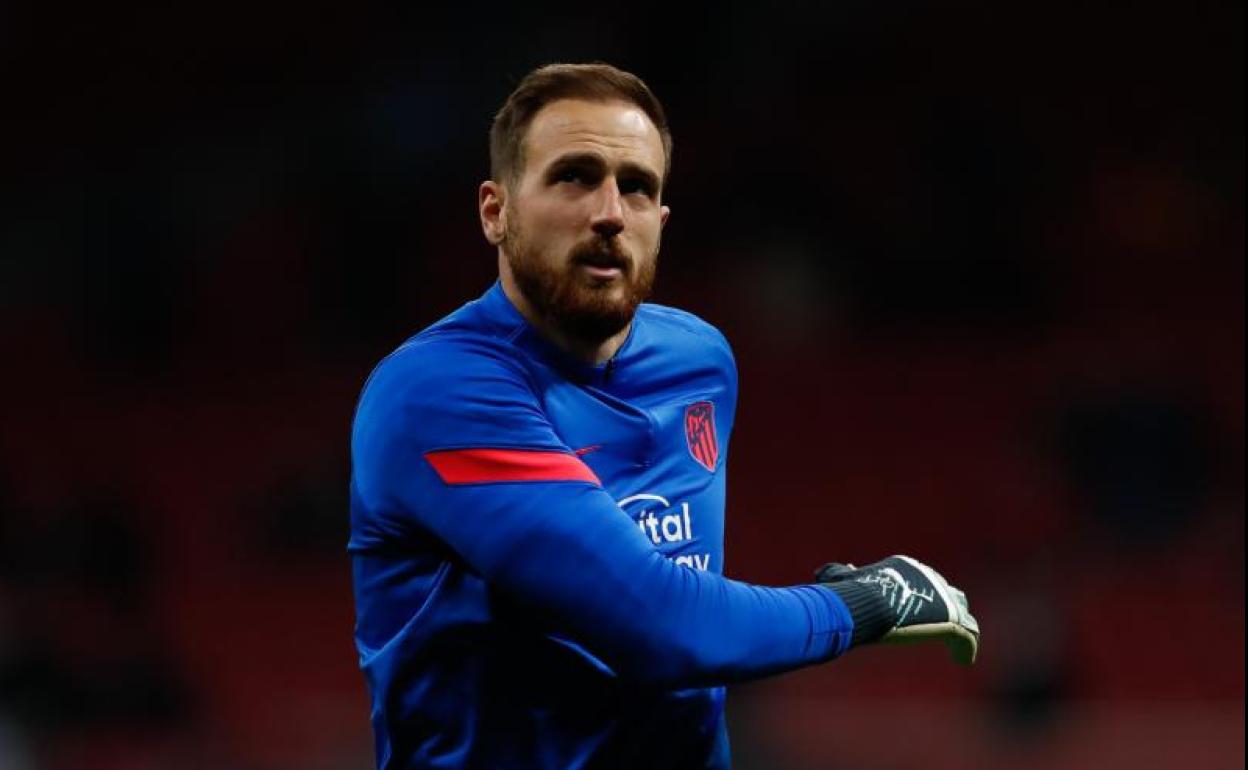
x=982, y=266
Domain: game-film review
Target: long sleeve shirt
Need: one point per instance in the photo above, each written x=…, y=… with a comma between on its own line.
x=537, y=550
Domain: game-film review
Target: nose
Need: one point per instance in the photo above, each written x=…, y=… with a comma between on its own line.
x=608, y=217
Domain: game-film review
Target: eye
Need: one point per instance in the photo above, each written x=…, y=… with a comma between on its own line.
x=578, y=174
x=634, y=185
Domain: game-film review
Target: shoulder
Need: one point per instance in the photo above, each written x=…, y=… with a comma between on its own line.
x=679, y=321
x=686, y=336
x=474, y=339
x=449, y=390
x=442, y=363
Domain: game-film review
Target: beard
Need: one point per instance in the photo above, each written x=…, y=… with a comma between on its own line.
x=577, y=304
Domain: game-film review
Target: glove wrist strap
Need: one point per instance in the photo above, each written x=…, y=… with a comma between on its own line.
x=872, y=615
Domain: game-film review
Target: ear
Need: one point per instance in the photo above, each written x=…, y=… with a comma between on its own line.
x=491, y=200
x=664, y=213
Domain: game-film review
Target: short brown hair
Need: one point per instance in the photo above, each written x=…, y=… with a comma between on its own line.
x=596, y=82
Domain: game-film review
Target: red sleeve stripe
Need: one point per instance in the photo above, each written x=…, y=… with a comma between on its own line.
x=482, y=466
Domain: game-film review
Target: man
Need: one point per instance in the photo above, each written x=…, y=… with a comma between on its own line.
x=538, y=485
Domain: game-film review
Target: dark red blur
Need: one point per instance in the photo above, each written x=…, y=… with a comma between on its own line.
x=982, y=268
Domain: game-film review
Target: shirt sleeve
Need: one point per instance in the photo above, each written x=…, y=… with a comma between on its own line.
x=454, y=441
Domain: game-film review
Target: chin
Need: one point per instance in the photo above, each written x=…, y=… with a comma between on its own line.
x=597, y=317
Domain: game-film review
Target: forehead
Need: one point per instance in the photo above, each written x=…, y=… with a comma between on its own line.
x=617, y=130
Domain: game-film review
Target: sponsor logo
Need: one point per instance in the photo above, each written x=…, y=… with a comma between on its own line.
x=665, y=525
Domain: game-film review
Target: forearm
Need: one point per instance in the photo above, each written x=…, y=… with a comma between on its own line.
x=655, y=622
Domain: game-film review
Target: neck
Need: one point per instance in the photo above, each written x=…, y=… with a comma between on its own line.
x=591, y=351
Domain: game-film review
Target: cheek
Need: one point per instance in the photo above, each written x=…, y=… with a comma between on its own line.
x=557, y=206
x=554, y=223
x=647, y=232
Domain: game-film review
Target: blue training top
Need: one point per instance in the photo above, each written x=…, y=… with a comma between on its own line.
x=537, y=549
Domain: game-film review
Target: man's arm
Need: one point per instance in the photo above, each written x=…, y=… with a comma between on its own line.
x=455, y=444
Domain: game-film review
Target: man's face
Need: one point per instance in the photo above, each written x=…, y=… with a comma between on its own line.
x=581, y=224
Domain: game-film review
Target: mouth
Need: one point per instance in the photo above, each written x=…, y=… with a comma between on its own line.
x=602, y=273
x=603, y=266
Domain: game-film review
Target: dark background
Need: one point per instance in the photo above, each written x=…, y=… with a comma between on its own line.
x=982, y=268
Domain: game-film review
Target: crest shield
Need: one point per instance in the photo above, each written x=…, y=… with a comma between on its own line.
x=700, y=434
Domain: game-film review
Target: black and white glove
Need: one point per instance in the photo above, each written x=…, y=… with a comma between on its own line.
x=902, y=600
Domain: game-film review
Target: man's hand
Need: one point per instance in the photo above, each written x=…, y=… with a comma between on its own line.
x=901, y=600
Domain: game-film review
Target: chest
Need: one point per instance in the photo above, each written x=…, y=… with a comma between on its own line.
x=662, y=458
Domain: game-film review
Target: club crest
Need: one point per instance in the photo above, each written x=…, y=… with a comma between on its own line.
x=700, y=434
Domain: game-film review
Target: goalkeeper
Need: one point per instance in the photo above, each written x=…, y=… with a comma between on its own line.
x=538, y=484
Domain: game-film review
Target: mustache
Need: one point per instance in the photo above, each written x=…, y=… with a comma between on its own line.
x=602, y=253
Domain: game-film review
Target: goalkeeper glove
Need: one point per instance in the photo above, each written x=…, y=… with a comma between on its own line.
x=901, y=600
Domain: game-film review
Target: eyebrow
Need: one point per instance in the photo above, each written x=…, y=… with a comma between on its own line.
x=627, y=168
